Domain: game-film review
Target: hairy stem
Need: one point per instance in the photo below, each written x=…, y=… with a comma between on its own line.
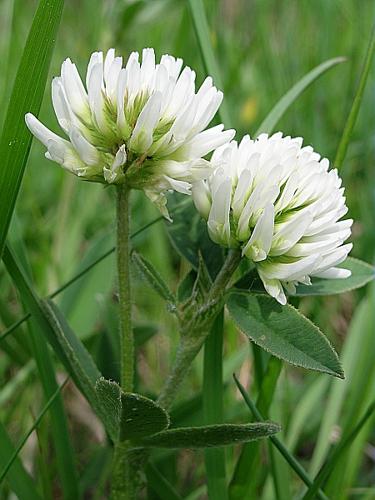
x=123, y=485
x=124, y=288
x=191, y=344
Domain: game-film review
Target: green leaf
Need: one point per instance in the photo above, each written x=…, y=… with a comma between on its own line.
x=136, y=415
x=77, y=361
x=26, y=97
x=210, y=435
x=68, y=348
x=284, y=332
x=141, y=417
x=59, y=426
x=352, y=118
x=362, y=273
x=109, y=394
x=152, y=276
x=269, y=123
x=19, y=480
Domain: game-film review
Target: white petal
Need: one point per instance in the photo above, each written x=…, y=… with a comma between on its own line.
x=258, y=246
x=141, y=138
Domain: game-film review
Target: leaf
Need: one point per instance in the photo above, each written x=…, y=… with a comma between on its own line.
x=189, y=236
x=152, y=276
x=19, y=480
x=284, y=332
x=210, y=435
x=68, y=348
x=268, y=124
x=350, y=122
x=362, y=273
x=109, y=394
x=26, y=96
x=141, y=417
x=78, y=362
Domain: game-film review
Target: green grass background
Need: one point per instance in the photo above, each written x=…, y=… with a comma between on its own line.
x=262, y=48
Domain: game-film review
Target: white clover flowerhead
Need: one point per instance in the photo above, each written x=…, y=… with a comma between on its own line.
x=278, y=203
x=142, y=124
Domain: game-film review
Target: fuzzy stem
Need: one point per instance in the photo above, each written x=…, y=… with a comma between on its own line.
x=190, y=345
x=123, y=486
x=124, y=290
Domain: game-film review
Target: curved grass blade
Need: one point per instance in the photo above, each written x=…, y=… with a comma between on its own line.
x=294, y=464
x=158, y=483
x=242, y=484
x=26, y=96
x=352, y=117
x=17, y=450
x=75, y=278
x=19, y=480
x=59, y=426
x=208, y=56
x=213, y=407
x=336, y=453
x=269, y=123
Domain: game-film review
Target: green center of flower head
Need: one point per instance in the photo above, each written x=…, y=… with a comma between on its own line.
x=142, y=124
x=280, y=205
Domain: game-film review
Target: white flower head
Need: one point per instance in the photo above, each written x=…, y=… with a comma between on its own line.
x=142, y=124
x=278, y=202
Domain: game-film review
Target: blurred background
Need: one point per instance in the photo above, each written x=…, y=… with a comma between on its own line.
x=61, y=224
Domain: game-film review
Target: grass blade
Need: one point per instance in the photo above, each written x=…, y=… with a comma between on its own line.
x=294, y=464
x=242, y=481
x=75, y=278
x=19, y=480
x=352, y=117
x=269, y=123
x=59, y=427
x=17, y=450
x=160, y=485
x=336, y=453
x=213, y=407
x=212, y=68
x=26, y=96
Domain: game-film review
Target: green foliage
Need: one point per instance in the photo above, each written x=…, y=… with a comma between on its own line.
x=152, y=276
x=26, y=97
x=277, y=329
x=141, y=417
x=210, y=435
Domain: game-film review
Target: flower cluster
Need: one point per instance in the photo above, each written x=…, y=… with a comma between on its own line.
x=278, y=203
x=143, y=124
x=146, y=126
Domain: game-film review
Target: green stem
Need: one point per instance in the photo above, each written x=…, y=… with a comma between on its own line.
x=124, y=289
x=191, y=344
x=123, y=479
